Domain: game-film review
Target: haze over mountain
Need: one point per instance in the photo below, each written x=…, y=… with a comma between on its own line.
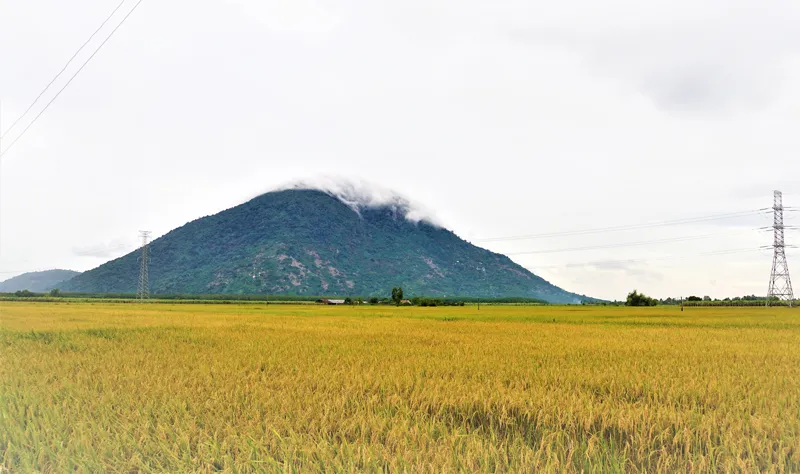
x=312, y=242
x=37, y=281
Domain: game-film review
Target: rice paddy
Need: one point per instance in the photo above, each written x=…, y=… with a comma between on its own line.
x=243, y=388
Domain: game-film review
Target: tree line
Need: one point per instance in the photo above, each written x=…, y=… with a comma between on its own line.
x=639, y=299
x=397, y=298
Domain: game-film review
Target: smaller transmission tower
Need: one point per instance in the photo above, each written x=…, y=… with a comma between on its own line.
x=143, y=292
x=780, y=285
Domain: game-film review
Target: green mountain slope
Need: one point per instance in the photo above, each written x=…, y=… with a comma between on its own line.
x=307, y=242
x=37, y=281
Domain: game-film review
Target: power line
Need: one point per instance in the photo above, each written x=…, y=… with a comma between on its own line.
x=628, y=227
x=2, y=153
x=62, y=70
x=634, y=244
x=642, y=260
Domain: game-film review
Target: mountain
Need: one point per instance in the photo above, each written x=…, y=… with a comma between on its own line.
x=311, y=242
x=37, y=281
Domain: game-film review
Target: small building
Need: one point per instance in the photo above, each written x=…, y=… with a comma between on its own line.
x=405, y=302
x=326, y=301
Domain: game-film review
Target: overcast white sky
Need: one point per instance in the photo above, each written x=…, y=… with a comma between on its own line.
x=503, y=117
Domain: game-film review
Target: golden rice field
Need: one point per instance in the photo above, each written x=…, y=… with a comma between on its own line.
x=282, y=388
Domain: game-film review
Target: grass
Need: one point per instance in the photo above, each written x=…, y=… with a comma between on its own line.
x=248, y=388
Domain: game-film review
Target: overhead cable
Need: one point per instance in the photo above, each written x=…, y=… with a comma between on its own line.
x=634, y=244
x=3, y=152
x=642, y=260
x=62, y=70
x=628, y=227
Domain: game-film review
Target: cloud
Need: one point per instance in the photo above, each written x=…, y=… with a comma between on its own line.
x=630, y=269
x=762, y=189
x=360, y=195
x=708, y=57
x=110, y=249
x=298, y=18
x=690, y=88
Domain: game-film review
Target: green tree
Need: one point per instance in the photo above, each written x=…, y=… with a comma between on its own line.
x=397, y=295
x=55, y=292
x=373, y=300
x=639, y=299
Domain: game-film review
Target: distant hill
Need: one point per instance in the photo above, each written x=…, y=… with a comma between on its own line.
x=37, y=281
x=309, y=242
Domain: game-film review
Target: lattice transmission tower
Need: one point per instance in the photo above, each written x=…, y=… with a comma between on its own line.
x=143, y=291
x=780, y=285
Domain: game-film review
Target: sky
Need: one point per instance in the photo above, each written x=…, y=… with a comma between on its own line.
x=503, y=119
